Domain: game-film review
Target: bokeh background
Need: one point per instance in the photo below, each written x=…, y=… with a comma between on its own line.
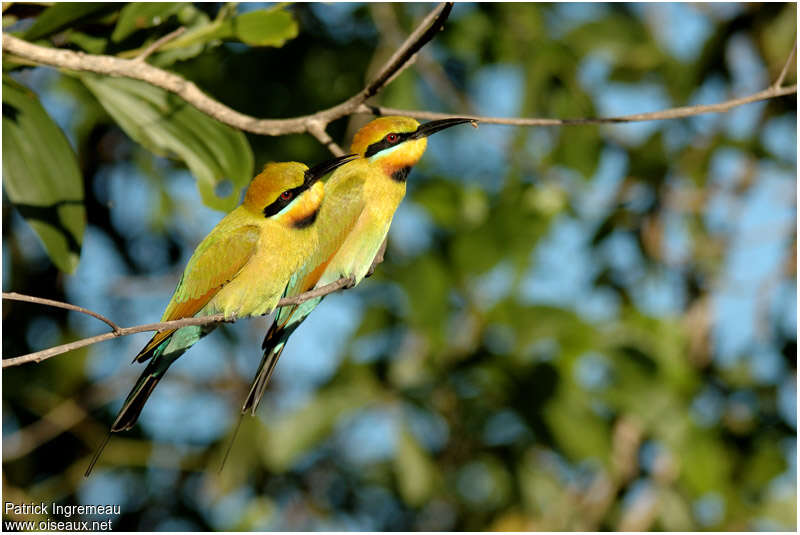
x=574, y=328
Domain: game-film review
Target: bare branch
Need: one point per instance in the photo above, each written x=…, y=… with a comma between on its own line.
x=45, y=354
x=158, y=43
x=427, y=29
x=14, y=296
x=385, y=19
x=316, y=123
x=344, y=282
x=785, y=70
x=671, y=113
x=140, y=70
x=317, y=130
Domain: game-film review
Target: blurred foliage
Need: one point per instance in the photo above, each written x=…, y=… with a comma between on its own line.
x=164, y=123
x=48, y=192
x=477, y=390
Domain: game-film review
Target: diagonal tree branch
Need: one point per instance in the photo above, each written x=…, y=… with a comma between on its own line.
x=140, y=70
x=427, y=29
x=785, y=70
x=317, y=130
x=385, y=20
x=317, y=122
x=45, y=354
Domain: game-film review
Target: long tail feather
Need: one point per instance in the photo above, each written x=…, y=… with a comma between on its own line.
x=146, y=383
x=97, y=454
x=271, y=355
x=272, y=351
x=140, y=394
x=273, y=345
x=230, y=444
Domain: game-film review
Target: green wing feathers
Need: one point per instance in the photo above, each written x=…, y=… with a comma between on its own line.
x=144, y=386
x=215, y=262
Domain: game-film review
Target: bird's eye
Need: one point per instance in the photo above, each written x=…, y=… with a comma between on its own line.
x=286, y=195
x=391, y=138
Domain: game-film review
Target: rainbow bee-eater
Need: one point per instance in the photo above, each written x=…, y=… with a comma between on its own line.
x=360, y=200
x=240, y=269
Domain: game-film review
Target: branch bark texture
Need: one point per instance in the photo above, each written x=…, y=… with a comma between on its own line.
x=140, y=70
x=117, y=331
x=316, y=123
x=671, y=113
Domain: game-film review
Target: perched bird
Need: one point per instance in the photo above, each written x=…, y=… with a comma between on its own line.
x=240, y=269
x=360, y=200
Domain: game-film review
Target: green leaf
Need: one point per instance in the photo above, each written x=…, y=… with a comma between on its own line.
x=41, y=175
x=89, y=43
x=272, y=27
x=64, y=14
x=165, y=124
x=141, y=15
x=262, y=27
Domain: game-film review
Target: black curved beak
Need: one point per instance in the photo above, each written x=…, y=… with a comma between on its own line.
x=322, y=169
x=432, y=127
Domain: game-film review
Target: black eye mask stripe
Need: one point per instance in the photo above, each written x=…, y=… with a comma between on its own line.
x=309, y=179
x=279, y=203
x=378, y=146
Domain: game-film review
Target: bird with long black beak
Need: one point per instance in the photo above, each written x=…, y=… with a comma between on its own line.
x=361, y=199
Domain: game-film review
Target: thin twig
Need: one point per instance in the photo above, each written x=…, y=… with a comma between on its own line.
x=14, y=296
x=672, y=113
x=786, y=66
x=426, y=31
x=385, y=19
x=140, y=70
x=45, y=354
x=317, y=130
x=344, y=282
x=187, y=90
x=158, y=43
